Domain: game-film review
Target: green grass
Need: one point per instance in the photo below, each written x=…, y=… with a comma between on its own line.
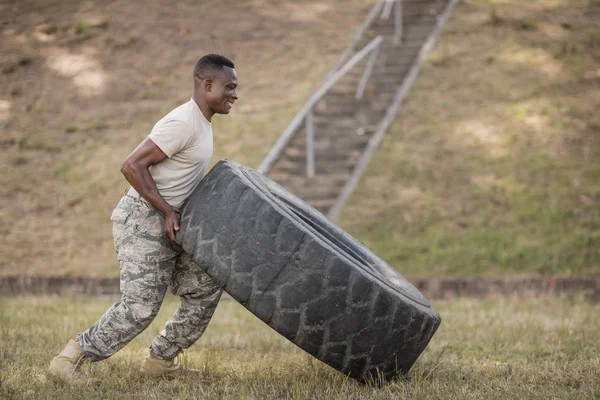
x=495, y=348
x=493, y=165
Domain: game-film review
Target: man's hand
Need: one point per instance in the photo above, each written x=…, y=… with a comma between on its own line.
x=171, y=224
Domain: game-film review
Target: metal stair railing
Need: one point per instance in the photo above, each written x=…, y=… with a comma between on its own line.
x=383, y=8
x=387, y=11
x=393, y=109
x=305, y=115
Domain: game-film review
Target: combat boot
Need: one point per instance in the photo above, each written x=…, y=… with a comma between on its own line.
x=165, y=368
x=66, y=366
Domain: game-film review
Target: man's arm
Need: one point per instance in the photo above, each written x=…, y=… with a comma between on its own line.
x=135, y=168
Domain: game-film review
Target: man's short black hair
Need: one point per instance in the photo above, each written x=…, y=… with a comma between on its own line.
x=211, y=62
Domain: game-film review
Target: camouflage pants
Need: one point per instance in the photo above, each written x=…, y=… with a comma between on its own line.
x=149, y=263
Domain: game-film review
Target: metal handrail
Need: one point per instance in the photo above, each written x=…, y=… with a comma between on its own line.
x=306, y=110
x=398, y=21
x=358, y=36
x=387, y=9
x=383, y=8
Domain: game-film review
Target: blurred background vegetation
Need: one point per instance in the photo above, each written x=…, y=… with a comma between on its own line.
x=491, y=169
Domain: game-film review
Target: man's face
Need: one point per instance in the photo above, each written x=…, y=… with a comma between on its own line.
x=222, y=92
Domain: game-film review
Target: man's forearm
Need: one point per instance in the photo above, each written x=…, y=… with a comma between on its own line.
x=140, y=178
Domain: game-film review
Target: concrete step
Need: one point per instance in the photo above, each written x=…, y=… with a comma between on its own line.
x=364, y=118
x=312, y=190
x=322, y=206
x=392, y=69
x=328, y=148
x=402, y=49
x=290, y=168
x=285, y=165
x=334, y=123
x=329, y=140
x=359, y=130
x=335, y=110
x=321, y=179
x=368, y=96
x=320, y=158
x=346, y=114
x=339, y=104
x=416, y=9
x=411, y=31
x=388, y=64
x=300, y=179
x=390, y=79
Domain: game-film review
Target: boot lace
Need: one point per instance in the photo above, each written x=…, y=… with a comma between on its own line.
x=78, y=373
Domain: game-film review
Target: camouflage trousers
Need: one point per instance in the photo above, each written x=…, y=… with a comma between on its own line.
x=149, y=263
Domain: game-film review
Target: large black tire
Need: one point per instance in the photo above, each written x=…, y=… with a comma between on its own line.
x=304, y=276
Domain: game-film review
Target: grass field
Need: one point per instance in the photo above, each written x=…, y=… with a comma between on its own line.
x=496, y=348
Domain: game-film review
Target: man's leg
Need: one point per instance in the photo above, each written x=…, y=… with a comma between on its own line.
x=147, y=262
x=143, y=287
x=199, y=298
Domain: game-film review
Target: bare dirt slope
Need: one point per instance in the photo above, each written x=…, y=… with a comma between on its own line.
x=81, y=85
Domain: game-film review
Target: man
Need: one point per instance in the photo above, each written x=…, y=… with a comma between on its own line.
x=163, y=171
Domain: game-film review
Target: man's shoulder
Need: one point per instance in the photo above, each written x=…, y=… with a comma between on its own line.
x=179, y=118
x=181, y=113
x=186, y=117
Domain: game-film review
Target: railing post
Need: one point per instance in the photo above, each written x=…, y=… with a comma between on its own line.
x=362, y=85
x=398, y=21
x=310, y=145
x=387, y=9
x=358, y=36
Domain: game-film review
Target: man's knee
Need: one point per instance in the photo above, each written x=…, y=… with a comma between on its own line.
x=202, y=292
x=197, y=286
x=142, y=312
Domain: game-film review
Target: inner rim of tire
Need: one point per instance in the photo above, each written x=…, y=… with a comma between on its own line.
x=345, y=249
x=391, y=280
x=325, y=234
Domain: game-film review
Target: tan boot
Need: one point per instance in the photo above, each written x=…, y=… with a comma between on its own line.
x=157, y=367
x=66, y=366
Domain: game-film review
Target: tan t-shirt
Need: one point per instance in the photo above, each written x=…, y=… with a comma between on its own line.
x=185, y=136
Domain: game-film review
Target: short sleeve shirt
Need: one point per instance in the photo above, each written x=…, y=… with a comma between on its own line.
x=185, y=136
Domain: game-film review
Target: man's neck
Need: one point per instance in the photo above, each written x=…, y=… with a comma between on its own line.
x=204, y=109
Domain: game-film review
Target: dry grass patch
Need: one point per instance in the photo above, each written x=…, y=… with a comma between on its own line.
x=496, y=348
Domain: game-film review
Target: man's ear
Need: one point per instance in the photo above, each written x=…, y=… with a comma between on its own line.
x=208, y=83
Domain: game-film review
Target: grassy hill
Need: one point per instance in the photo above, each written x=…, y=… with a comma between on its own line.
x=493, y=165
x=492, y=168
